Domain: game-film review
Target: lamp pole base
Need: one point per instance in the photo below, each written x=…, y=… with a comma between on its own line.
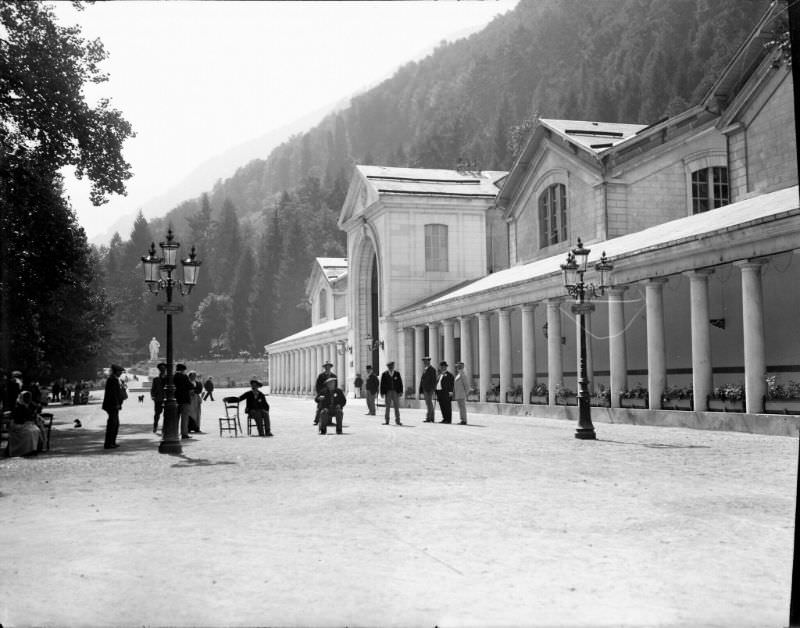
x=170, y=447
x=585, y=433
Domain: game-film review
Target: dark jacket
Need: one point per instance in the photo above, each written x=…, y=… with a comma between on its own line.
x=22, y=413
x=372, y=383
x=321, y=379
x=182, y=387
x=209, y=385
x=447, y=382
x=391, y=381
x=327, y=399
x=427, y=383
x=112, y=398
x=255, y=400
x=157, y=388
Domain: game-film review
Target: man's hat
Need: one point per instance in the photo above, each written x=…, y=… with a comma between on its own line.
x=326, y=363
x=369, y=367
x=390, y=364
x=427, y=358
x=180, y=367
x=116, y=368
x=161, y=365
x=330, y=379
x=443, y=363
x=460, y=364
x=256, y=382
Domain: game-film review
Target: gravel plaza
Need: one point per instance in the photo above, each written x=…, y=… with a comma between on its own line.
x=509, y=521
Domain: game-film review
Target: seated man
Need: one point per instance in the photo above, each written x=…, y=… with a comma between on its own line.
x=331, y=401
x=26, y=435
x=257, y=407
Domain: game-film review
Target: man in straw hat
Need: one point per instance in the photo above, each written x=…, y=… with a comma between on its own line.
x=256, y=406
x=392, y=389
x=460, y=392
x=323, y=377
x=331, y=401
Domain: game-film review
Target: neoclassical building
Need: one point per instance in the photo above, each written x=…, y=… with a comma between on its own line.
x=698, y=213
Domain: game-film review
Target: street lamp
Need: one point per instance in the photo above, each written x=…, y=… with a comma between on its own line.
x=157, y=275
x=574, y=270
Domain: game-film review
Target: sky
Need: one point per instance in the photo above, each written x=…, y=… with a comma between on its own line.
x=196, y=78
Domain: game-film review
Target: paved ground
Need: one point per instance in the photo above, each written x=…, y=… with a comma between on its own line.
x=507, y=522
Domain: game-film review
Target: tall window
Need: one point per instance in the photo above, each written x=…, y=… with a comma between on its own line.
x=323, y=303
x=436, y=247
x=709, y=189
x=553, y=215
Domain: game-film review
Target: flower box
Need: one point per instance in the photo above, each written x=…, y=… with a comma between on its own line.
x=725, y=405
x=539, y=400
x=513, y=397
x=600, y=402
x=677, y=403
x=782, y=406
x=492, y=396
x=567, y=400
x=633, y=402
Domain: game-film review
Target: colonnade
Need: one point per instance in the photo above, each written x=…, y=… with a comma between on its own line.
x=413, y=337
x=294, y=371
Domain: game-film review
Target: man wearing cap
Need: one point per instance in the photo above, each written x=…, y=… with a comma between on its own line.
x=392, y=389
x=183, y=396
x=372, y=385
x=320, y=385
x=256, y=406
x=460, y=392
x=427, y=386
x=112, y=404
x=331, y=401
x=444, y=392
x=157, y=391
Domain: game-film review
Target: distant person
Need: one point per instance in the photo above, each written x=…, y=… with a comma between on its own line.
x=183, y=388
x=157, y=393
x=331, y=400
x=357, y=384
x=373, y=386
x=112, y=404
x=195, y=401
x=427, y=386
x=391, y=390
x=320, y=385
x=460, y=392
x=444, y=392
x=208, y=386
x=256, y=406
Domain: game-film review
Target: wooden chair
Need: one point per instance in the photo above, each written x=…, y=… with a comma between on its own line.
x=230, y=422
x=5, y=425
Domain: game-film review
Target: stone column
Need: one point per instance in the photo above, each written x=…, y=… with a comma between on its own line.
x=433, y=344
x=449, y=343
x=656, y=342
x=341, y=367
x=755, y=365
x=400, y=353
x=390, y=348
x=408, y=376
x=528, y=351
x=289, y=371
x=282, y=371
x=466, y=345
x=419, y=353
x=555, y=366
x=702, y=377
x=303, y=370
x=617, y=354
x=484, y=354
x=504, y=337
x=297, y=384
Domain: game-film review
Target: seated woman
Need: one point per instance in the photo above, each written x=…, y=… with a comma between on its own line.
x=331, y=401
x=26, y=435
x=257, y=407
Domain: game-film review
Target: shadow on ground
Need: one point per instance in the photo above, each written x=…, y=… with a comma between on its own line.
x=654, y=445
x=66, y=441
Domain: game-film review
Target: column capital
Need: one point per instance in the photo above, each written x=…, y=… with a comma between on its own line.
x=483, y=316
x=699, y=273
x=503, y=312
x=655, y=281
x=445, y=322
x=616, y=291
x=432, y=324
x=755, y=263
x=421, y=327
x=554, y=302
x=527, y=307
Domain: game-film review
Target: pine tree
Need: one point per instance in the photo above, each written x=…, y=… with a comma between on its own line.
x=242, y=294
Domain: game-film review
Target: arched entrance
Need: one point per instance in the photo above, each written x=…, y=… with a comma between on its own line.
x=366, y=306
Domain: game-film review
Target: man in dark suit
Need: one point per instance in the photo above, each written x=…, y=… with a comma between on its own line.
x=372, y=386
x=444, y=392
x=320, y=385
x=331, y=400
x=157, y=392
x=112, y=404
x=183, y=389
x=257, y=407
x=427, y=386
x=392, y=389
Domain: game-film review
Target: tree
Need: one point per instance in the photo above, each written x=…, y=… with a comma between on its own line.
x=241, y=336
x=212, y=323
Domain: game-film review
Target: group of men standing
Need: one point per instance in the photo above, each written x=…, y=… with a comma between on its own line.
x=447, y=389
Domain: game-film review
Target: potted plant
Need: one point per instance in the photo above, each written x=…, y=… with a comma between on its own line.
x=493, y=394
x=566, y=397
x=410, y=394
x=727, y=398
x=514, y=395
x=635, y=397
x=677, y=398
x=782, y=398
x=540, y=395
x=601, y=398
x=474, y=394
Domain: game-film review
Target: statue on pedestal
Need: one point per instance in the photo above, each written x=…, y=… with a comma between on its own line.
x=154, y=347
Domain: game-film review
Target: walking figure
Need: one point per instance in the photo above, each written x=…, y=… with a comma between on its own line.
x=391, y=389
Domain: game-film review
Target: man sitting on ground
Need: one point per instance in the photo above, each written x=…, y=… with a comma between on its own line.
x=330, y=401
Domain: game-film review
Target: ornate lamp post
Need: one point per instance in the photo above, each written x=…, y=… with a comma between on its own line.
x=157, y=275
x=574, y=270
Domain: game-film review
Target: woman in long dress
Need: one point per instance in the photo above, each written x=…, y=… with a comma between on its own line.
x=195, y=399
x=26, y=436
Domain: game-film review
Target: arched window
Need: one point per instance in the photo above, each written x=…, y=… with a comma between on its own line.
x=553, y=215
x=323, y=303
x=710, y=188
x=436, y=248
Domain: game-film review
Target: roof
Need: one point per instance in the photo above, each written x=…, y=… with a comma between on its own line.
x=431, y=182
x=594, y=136
x=735, y=215
x=337, y=324
x=333, y=267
